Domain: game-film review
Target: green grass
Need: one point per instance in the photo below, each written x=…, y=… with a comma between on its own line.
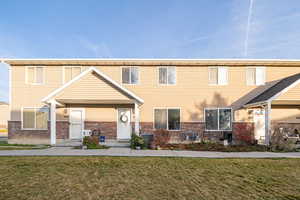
x=148, y=178
x=5, y=146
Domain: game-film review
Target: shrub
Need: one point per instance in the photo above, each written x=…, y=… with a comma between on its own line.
x=279, y=142
x=136, y=141
x=161, y=138
x=244, y=133
x=90, y=140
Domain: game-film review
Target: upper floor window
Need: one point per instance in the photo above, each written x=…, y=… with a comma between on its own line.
x=256, y=75
x=35, y=118
x=167, y=118
x=70, y=72
x=218, y=119
x=167, y=75
x=35, y=75
x=130, y=75
x=218, y=75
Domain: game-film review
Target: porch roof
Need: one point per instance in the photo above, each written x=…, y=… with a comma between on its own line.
x=276, y=91
x=95, y=101
x=92, y=86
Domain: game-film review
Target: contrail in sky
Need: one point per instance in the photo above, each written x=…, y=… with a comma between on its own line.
x=248, y=28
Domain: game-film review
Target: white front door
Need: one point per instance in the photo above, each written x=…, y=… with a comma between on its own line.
x=76, y=123
x=259, y=125
x=124, y=125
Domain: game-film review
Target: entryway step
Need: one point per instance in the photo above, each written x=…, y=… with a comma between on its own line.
x=116, y=143
x=68, y=143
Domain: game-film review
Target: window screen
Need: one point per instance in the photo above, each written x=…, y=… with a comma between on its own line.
x=160, y=118
x=35, y=118
x=130, y=75
x=173, y=119
x=218, y=119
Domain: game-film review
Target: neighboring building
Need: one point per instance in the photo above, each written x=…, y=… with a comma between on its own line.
x=4, y=117
x=55, y=99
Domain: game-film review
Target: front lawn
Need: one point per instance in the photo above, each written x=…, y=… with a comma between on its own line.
x=148, y=178
x=5, y=146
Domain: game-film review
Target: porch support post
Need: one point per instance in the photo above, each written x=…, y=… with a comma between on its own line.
x=267, y=123
x=137, y=119
x=53, y=122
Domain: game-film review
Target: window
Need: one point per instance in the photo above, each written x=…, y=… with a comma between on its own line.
x=35, y=118
x=167, y=118
x=70, y=73
x=130, y=75
x=218, y=75
x=167, y=75
x=255, y=75
x=218, y=119
x=35, y=75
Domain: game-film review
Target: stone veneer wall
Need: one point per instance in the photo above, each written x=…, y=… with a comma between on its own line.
x=62, y=130
x=17, y=135
x=108, y=129
x=197, y=127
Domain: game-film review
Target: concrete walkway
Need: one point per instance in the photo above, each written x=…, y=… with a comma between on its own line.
x=68, y=151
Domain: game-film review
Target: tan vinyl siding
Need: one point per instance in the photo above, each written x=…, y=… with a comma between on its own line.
x=192, y=92
x=91, y=87
x=291, y=94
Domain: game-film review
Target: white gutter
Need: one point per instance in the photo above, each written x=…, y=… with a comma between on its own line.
x=144, y=59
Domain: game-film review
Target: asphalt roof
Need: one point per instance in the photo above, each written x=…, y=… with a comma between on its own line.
x=275, y=89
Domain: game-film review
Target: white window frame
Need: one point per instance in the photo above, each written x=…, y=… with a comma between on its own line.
x=255, y=67
x=167, y=108
x=218, y=68
x=130, y=83
x=35, y=109
x=34, y=75
x=63, y=74
x=167, y=84
x=218, y=108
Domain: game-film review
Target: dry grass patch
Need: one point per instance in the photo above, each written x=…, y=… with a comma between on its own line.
x=148, y=178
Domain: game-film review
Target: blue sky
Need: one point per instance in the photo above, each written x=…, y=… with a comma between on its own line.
x=147, y=29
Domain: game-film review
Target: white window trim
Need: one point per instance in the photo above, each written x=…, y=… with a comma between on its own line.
x=138, y=82
x=167, y=108
x=63, y=73
x=35, y=109
x=218, y=84
x=167, y=84
x=255, y=67
x=218, y=108
x=34, y=75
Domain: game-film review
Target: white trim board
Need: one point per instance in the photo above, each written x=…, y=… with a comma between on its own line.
x=92, y=69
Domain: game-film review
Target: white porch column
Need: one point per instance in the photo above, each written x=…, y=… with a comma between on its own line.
x=137, y=119
x=53, y=122
x=267, y=123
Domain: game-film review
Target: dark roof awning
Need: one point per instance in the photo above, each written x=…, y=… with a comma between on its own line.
x=274, y=90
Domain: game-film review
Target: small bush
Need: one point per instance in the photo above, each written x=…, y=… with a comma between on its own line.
x=88, y=140
x=244, y=134
x=137, y=141
x=279, y=142
x=161, y=138
x=92, y=142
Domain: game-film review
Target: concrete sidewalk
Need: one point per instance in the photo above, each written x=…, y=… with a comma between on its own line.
x=68, y=151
